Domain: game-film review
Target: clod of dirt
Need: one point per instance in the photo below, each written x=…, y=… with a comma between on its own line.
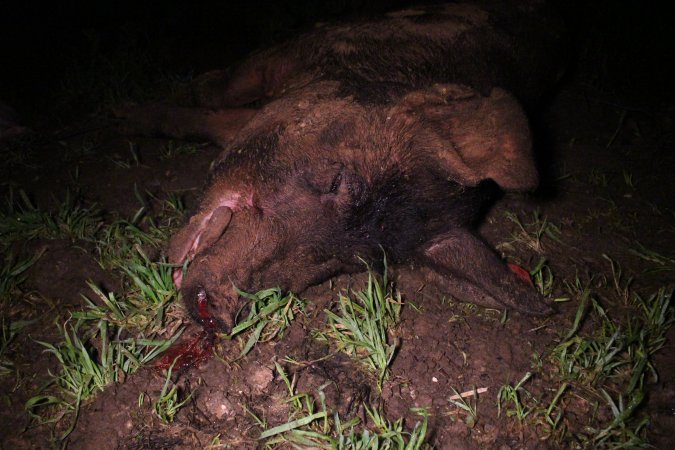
x=215, y=403
x=259, y=379
x=63, y=272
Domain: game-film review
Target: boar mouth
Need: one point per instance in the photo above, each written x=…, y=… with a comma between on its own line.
x=203, y=313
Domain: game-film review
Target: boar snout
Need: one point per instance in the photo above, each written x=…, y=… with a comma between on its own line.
x=215, y=312
x=203, y=230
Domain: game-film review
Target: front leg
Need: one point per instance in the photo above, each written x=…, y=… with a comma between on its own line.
x=466, y=268
x=179, y=122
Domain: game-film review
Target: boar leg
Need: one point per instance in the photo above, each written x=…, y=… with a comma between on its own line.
x=262, y=76
x=219, y=126
x=466, y=268
x=223, y=89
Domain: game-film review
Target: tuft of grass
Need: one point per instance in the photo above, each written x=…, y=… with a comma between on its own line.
x=149, y=294
x=134, y=159
x=602, y=362
x=12, y=274
x=172, y=211
x=116, y=333
x=118, y=241
x=172, y=150
x=312, y=426
x=613, y=361
x=590, y=360
x=111, y=338
x=21, y=220
x=508, y=394
x=8, y=331
x=544, y=280
x=469, y=407
x=94, y=358
x=614, y=350
x=168, y=404
x=360, y=329
x=531, y=234
x=663, y=263
x=271, y=312
x=629, y=179
x=90, y=359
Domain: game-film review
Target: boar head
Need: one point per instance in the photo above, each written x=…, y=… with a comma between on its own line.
x=317, y=180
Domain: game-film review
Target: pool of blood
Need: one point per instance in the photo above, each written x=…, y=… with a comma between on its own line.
x=196, y=350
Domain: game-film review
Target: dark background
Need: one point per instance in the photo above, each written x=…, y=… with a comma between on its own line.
x=61, y=56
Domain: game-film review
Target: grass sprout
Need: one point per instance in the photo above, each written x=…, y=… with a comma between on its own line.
x=118, y=241
x=360, y=328
x=469, y=407
x=553, y=414
x=148, y=296
x=271, y=311
x=311, y=425
x=8, y=331
x=629, y=179
x=597, y=177
x=134, y=159
x=168, y=404
x=20, y=219
x=111, y=338
x=172, y=150
x=12, y=274
x=508, y=394
x=613, y=361
x=662, y=262
x=543, y=279
x=531, y=234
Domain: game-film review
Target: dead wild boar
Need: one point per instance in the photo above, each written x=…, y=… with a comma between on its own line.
x=382, y=135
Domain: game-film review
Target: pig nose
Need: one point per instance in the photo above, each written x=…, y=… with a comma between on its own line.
x=205, y=316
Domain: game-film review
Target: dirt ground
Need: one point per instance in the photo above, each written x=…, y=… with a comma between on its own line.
x=607, y=168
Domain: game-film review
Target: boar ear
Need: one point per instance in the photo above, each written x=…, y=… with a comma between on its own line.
x=204, y=229
x=477, y=137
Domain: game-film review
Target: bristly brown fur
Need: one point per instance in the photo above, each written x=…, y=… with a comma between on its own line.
x=388, y=133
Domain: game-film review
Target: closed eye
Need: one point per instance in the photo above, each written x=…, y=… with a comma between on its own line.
x=335, y=184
